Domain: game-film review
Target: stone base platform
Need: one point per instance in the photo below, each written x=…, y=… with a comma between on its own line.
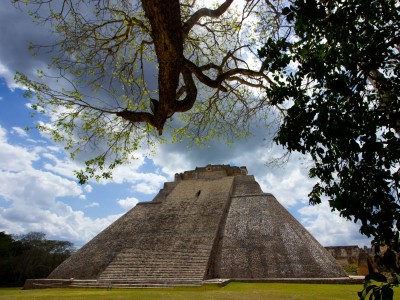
x=93, y=283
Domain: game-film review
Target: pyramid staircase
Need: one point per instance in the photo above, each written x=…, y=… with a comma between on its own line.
x=156, y=268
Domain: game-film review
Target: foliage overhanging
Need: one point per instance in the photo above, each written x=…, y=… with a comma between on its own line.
x=124, y=71
x=343, y=87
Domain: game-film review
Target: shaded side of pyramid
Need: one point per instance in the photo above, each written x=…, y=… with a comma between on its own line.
x=263, y=240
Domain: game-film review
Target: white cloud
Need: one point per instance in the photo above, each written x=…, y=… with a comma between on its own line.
x=19, y=131
x=63, y=223
x=147, y=188
x=15, y=158
x=64, y=166
x=32, y=197
x=93, y=204
x=35, y=185
x=128, y=203
x=288, y=182
x=9, y=78
x=54, y=148
x=141, y=181
x=175, y=160
x=329, y=228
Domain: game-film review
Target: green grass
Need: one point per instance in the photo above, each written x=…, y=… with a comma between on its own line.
x=236, y=290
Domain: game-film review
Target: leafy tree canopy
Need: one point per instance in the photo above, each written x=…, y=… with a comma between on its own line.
x=342, y=88
x=30, y=256
x=210, y=80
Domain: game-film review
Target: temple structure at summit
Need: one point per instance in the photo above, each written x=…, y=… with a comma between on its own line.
x=213, y=222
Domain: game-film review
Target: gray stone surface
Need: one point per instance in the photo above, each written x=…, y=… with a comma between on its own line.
x=262, y=240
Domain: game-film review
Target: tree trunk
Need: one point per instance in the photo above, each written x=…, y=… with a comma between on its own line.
x=165, y=21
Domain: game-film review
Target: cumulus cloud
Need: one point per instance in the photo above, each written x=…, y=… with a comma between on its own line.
x=88, y=188
x=329, y=228
x=128, y=203
x=31, y=197
x=15, y=158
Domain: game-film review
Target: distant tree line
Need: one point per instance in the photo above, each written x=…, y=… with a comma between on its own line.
x=29, y=256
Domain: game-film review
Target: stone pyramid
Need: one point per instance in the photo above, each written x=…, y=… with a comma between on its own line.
x=212, y=222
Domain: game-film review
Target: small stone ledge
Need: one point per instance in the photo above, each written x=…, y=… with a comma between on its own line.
x=46, y=283
x=252, y=195
x=221, y=282
x=149, y=203
x=339, y=280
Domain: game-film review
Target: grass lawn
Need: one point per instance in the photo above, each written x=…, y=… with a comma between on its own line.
x=235, y=290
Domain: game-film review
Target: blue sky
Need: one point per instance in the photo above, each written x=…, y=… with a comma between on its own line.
x=38, y=191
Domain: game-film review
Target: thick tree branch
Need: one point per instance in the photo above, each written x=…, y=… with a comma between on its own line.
x=165, y=21
x=202, y=77
x=204, y=12
x=191, y=92
x=228, y=75
x=136, y=117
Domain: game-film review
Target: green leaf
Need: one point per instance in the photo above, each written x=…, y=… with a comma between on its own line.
x=377, y=277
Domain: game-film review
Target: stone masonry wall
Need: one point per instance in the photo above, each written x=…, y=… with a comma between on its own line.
x=262, y=240
x=185, y=215
x=348, y=256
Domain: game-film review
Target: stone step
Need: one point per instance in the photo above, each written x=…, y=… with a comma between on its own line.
x=146, y=277
x=136, y=285
x=162, y=259
x=157, y=266
x=151, y=272
x=158, y=261
x=149, y=275
x=160, y=266
x=136, y=275
x=150, y=279
x=166, y=265
x=148, y=269
x=188, y=256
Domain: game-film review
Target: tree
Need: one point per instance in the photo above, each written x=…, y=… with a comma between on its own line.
x=30, y=256
x=210, y=80
x=342, y=87
x=9, y=250
x=41, y=256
